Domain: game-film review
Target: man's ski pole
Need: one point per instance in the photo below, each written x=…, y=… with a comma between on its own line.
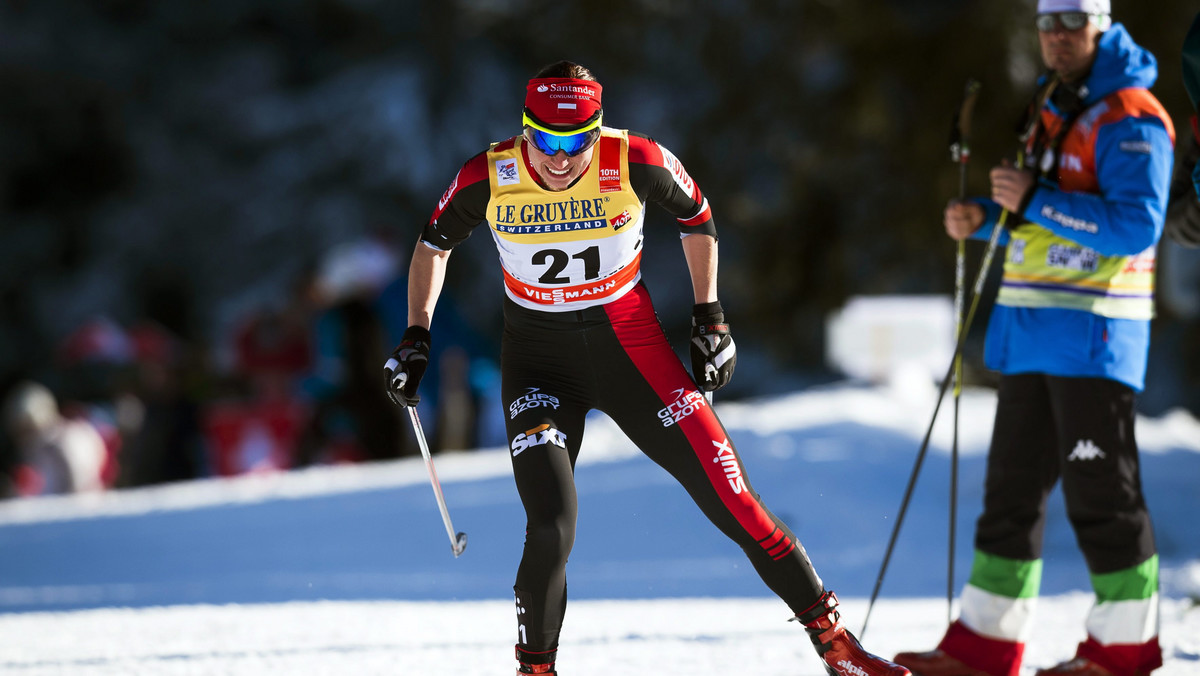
x=960, y=152
x=458, y=542
x=976, y=292
x=916, y=470
x=1030, y=127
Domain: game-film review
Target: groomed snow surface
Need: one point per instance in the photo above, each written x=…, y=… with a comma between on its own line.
x=348, y=570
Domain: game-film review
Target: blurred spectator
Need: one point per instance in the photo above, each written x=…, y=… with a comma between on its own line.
x=129, y=385
x=457, y=405
x=1183, y=215
x=350, y=420
x=57, y=454
x=164, y=441
x=1176, y=364
x=95, y=364
x=460, y=394
x=259, y=427
x=274, y=349
x=92, y=360
x=253, y=436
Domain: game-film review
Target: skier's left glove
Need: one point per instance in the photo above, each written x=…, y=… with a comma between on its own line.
x=713, y=352
x=406, y=366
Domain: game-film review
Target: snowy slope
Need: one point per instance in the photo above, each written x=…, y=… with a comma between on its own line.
x=349, y=570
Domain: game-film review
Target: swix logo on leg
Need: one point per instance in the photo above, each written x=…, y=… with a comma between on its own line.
x=729, y=462
x=686, y=403
x=538, y=436
x=848, y=667
x=1086, y=449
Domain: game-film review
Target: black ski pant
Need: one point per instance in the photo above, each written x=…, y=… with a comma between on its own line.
x=1079, y=430
x=615, y=358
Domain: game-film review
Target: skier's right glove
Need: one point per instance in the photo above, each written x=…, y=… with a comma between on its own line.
x=713, y=352
x=406, y=366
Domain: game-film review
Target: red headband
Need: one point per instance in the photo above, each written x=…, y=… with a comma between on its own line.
x=562, y=101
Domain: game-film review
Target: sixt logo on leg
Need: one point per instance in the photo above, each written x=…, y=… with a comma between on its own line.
x=686, y=403
x=729, y=462
x=539, y=436
x=531, y=399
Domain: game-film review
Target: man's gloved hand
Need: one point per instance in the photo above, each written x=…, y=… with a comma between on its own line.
x=406, y=366
x=713, y=352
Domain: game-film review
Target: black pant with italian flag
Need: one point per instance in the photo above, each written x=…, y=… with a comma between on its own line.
x=556, y=367
x=1078, y=431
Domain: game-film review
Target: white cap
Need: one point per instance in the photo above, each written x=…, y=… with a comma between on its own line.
x=1089, y=6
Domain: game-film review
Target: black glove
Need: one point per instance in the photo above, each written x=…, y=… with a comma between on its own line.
x=406, y=366
x=713, y=352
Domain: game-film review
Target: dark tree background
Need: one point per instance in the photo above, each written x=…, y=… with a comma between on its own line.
x=183, y=160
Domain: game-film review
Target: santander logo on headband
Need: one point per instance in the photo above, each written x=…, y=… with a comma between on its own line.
x=563, y=101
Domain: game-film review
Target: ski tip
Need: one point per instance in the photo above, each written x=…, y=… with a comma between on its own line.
x=460, y=544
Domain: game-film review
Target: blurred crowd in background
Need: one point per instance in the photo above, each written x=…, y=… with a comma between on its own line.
x=297, y=382
x=206, y=209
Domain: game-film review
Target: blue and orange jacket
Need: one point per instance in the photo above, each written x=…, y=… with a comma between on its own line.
x=1077, y=294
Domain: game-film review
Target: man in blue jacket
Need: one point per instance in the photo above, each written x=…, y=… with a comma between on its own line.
x=1070, y=335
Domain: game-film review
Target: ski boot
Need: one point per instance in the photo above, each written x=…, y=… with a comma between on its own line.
x=936, y=663
x=536, y=663
x=842, y=653
x=1078, y=666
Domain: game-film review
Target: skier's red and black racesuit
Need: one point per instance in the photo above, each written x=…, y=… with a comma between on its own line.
x=580, y=333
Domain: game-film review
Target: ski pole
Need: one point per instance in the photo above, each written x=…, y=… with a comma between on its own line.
x=960, y=152
x=458, y=542
x=1026, y=131
x=988, y=255
x=916, y=470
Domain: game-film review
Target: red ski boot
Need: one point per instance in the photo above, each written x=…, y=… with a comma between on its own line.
x=839, y=649
x=936, y=663
x=536, y=663
x=1079, y=666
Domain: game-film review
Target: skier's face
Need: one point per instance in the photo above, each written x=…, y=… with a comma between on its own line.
x=1069, y=52
x=558, y=171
